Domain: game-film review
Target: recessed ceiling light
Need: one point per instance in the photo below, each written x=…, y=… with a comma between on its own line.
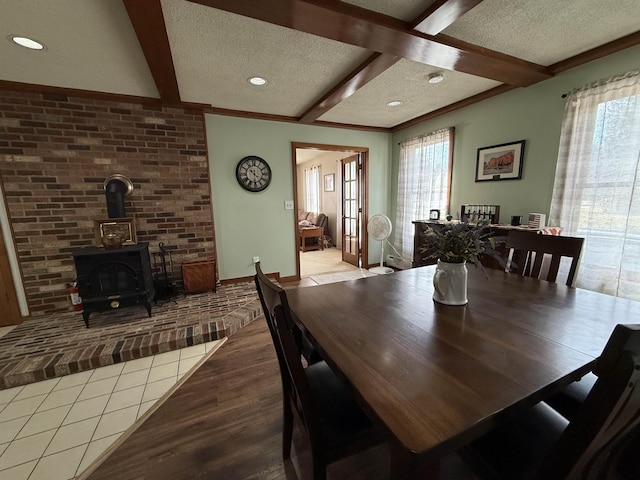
x=436, y=77
x=26, y=42
x=394, y=103
x=257, y=81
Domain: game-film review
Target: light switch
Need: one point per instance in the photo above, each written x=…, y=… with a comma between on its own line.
x=288, y=204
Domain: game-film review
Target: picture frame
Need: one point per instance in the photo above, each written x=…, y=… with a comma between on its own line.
x=123, y=225
x=500, y=162
x=329, y=182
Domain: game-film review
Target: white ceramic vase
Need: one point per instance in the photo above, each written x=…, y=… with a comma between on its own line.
x=450, y=283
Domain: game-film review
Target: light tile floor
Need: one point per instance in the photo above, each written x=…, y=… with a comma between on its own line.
x=56, y=428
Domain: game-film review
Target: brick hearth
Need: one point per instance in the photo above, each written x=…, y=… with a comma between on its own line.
x=56, y=150
x=58, y=344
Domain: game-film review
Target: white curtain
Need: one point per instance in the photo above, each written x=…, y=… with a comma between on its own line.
x=423, y=184
x=312, y=189
x=596, y=194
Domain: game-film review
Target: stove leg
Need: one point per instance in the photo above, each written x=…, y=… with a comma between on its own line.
x=85, y=316
x=148, y=307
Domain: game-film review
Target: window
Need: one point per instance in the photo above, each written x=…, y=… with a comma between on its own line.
x=424, y=178
x=596, y=192
x=312, y=189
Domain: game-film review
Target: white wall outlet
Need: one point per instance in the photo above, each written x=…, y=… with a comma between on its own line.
x=288, y=204
x=256, y=259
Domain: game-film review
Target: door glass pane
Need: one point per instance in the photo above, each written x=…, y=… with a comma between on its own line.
x=353, y=245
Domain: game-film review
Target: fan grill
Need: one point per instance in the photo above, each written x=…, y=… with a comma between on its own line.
x=379, y=227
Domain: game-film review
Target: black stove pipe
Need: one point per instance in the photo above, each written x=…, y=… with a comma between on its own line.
x=115, y=191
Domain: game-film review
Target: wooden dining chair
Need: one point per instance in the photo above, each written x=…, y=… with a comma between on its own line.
x=529, y=249
x=314, y=396
x=541, y=444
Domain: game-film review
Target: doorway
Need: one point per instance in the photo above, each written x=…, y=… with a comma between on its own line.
x=345, y=251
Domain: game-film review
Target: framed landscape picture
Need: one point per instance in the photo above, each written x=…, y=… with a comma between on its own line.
x=329, y=182
x=500, y=162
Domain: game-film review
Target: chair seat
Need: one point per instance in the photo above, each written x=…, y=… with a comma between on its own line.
x=309, y=352
x=514, y=450
x=568, y=401
x=341, y=420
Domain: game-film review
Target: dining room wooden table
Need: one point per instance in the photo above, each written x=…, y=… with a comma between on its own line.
x=435, y=377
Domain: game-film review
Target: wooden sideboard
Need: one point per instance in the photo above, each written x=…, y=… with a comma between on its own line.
x=499, y=230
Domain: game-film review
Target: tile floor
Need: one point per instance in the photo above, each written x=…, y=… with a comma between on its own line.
x=56, y=428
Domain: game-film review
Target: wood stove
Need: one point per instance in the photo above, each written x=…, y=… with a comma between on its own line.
x=113, y=279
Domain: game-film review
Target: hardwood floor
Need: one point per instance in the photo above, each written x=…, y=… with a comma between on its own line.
x=224, y=423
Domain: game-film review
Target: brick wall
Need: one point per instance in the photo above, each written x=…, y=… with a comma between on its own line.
x=55, y=153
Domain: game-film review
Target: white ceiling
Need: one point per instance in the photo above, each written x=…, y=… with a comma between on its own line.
x=92, y=45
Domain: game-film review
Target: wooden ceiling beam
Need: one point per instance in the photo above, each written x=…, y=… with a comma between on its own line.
x=438, y=15
x=148, y=22
x=441, y=14
x=383, y=34
x=363, y=74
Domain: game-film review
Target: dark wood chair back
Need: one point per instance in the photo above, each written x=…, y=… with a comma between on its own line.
x=287, y=343
x=286, y=339
x=335, y=425
x=270, y=297
x=592, y=444
x=529, y=249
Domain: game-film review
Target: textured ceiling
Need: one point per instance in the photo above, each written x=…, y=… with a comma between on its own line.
x=312, y=53
x=213, y=64
x=405, y=10
x=90, y=45
x=546, y=31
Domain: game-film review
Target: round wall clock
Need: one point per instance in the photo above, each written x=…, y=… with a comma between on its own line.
x=253, y=173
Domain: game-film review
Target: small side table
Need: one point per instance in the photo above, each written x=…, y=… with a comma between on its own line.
x=311, y=232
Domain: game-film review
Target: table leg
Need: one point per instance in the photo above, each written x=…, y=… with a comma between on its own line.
x=402, y=464
x=405, y=466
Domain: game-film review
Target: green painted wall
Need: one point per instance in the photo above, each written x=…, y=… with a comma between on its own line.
x=256, y=224
x=533, y=114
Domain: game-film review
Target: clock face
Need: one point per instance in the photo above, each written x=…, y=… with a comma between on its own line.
x=253, y=173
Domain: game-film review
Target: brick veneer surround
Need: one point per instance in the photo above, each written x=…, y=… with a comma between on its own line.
x=55, y=153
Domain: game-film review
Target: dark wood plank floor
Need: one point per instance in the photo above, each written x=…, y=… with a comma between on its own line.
x=224, y=423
